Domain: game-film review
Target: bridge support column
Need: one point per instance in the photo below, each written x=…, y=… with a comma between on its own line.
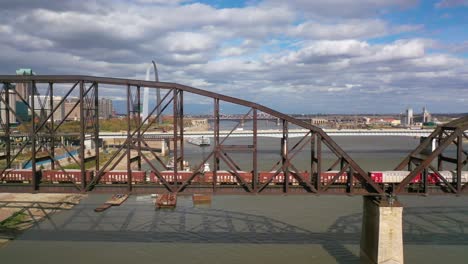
x=382, y=232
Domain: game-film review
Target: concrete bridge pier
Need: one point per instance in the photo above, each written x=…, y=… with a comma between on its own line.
x=382, y=231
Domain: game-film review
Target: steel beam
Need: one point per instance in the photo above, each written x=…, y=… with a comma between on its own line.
x=138, y=123
x=34, y=182
x=254, y=153
x=176, y=134
x=96, y=124
x=318, y=180
x=7, y=125
x=82, y=137
x=284, y=156
x=129, y=140
x=216, y=144
x=181, y=127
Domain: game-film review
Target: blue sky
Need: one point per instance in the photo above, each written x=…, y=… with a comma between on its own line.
x=298, y=56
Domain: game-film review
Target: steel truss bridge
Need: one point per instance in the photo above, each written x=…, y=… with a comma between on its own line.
x=44, y=138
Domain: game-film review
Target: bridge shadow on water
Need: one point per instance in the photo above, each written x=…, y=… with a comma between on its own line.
x=138, y=221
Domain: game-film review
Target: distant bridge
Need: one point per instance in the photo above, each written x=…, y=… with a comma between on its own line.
x=275, y=133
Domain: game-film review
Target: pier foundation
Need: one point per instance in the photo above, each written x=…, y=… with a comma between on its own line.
x=382, y=232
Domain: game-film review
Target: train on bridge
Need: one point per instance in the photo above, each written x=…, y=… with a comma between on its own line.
x=223, y=177
x=425, y=166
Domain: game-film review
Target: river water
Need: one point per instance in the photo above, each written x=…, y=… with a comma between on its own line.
x=247, y=229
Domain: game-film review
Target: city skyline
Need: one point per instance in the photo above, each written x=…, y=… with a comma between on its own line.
x=300, y=57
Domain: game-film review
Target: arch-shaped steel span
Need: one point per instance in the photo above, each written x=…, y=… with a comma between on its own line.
x=350, y=178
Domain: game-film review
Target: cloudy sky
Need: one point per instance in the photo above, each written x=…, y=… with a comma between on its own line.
x=296, y=56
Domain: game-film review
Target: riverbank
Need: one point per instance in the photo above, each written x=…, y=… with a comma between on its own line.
x=20, y=211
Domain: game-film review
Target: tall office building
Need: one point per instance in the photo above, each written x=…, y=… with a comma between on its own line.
x=106, y=109
x=42, y=107
x=24, y=89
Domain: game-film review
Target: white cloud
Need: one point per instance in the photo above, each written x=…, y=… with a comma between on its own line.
x=232, y=51
x=343, y=8
x=270, y=52
x=333, y=49
x=343, y=30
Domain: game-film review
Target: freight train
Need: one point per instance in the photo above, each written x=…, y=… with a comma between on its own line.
x=223, y=177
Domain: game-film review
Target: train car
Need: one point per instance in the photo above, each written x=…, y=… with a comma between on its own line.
x=69, y=176
x=327, y=176
x=376, y=176
x=450, y=176
x=17, y=175
x=182, y=176
x=121, y=176
x=264, y=177
x=389, y=177
x=223, y=177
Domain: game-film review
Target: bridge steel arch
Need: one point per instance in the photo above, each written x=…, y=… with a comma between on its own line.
x=43, y=136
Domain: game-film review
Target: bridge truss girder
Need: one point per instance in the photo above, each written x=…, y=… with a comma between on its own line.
x=420, y=161
x=358, y=181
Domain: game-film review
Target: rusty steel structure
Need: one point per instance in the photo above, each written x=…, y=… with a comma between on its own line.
x=43, y=137
x=420, y=161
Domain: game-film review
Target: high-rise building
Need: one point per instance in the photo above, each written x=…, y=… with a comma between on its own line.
x=42, y=107
x=106, y=109
x=24, y=89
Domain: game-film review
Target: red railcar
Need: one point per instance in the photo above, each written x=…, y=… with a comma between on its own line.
x=121, y=176
x=17, y=175
x=392, y=176
x=265, y=176
x=327, y=176
x=182, y=176
x=59, y=176
x=226, y=177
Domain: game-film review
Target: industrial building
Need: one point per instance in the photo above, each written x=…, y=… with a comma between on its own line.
x=408, y=119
